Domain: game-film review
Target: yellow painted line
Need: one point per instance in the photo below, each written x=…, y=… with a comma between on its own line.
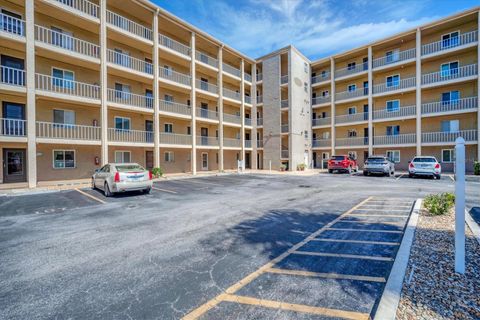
x=334, y=313
x=252, y=276
x=359, y=241
x=342, y=255
x=90, y=196
x=164, y=190
x=325, y=275
x=365, y=230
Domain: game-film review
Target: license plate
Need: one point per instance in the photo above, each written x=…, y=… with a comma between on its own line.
x=135, y=177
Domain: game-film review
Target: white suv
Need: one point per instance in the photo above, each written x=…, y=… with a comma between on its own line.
x=424, y=166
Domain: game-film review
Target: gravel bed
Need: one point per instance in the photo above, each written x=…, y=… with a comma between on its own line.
x=432, y=289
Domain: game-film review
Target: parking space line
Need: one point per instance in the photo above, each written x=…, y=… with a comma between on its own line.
x=359, y=241
x=342, y=255
x=379, y=205
x=334, y=313
x=378, y=215
x=164, y=190
x=452, y=177
x=364, y=230
x=90, y=196
x=325, y=275
x=201, y=182
x=383, y=210
x=397, y=178
x=390, y=223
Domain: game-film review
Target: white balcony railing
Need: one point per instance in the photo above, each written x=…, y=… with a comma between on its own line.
x=129, y=62
x=231, y=70
x=232, y=118
x=83, y=6
x=248, y=99
x=207, y=114
x=128, y=25
x=351, y=94
x=451, y=74
x=450, y=43
x=351, y=70
x=50, y=130
x=407, y=138
x=173, y=45
x=321, y=143
x=175, y=138
x=284, y=128
x=321, y=78
x=248, y=121
x=394, y=58
x=259, y=121
x=396, y=113
x=13, y=127
x=450, y=105
x=129, y=99
x=235, y=95
x=259, y=77
x=66, y=42
x=284, y=103
x=259, y=143
x=169, y=74
x=284, y=79
x=207, y=141
x=248, y=143
x=232, y=143
x=443, y=137
x=259, y=99
x=12, y=25
x=247, y=77
x=351, y=142
x=12, y=76
x=395, y=85
x=130, y=136
x=285, y=154
x=174, y=107
x=68, y=87
x=320, y=100
x=205, y=58
x=206, y=86
x=345, y=118
x=321, y=121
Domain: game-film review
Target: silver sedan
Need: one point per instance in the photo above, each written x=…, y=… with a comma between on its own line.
x=121, y=177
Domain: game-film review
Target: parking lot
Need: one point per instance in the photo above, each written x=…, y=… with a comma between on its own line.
x=218, y=247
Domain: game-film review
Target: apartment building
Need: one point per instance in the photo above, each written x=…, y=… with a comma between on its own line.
x=86, y=82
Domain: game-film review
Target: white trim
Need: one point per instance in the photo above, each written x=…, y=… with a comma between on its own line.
x=452, y=153
x=393, y=151
x=53, y=67
x=64, y=150
x=449, y=62
x=459, y=33
x=171, y=157
x=167, y=123
x=121, y=117
x=122, y=151
x=61, y=109
x=392, y=75
x=387, y=101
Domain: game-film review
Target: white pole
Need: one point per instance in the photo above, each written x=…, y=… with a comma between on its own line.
x=460, y=205
x=270, y=165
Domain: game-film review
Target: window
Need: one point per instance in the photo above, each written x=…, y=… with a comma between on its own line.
x=168, y=127
x=450, y=39
x=305, y=67
x=352, y=110
x=169, y=156
x=393, y=105
x=63, y=117
x=352, y=87
x=448, y=155
x=392, y=56
x=450, y=125
x=9, y=23
x=393, y=130
x=351, y=66
x=324, y=74
x=325, y=155
x=326, y=135
x=352, y=154
x=449, y=69
x=63, y=159
x=394, y=155
x=306, y=134
x=450, y=97
x=149, y=98
x=122, y=156
x=189, y=130
x=63, y=78
x=393, y=81
x=122, y=91
x=122, y=123
x=352, y=133
x=168, y=71
x=325, y=93
x=305, y=86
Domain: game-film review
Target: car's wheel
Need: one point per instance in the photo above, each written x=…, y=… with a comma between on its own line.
x=393, y=174
x=330, y=171
x=411, y=175
x=147, y=191
x=349, y=170
x=93, y=184
x=356, y=169
x=106, y=190
x=365, y=173
x=437, y=176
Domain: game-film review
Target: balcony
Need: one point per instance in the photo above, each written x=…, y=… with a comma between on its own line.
x=174, y=45
x=207, y=114
x=449, y=137
x=321, y=78
x=284, y=79
x=230, y=94
x=321, y=100
x=130, y=136
x=403, y=84
x=175, y=139
x=352, y=142
x=259, y=77
x=247, y=77
x=259, y=121
x=348, y=118
x=231, y=70
x=177, y=77
x=464, y=104
x=207, y=141
x=284, y=103
x=129, y=99
x=248, y=122
x=248, y=144
x=12, y=77
x=358, y=93
x=259, y=143
x=12, y=26
x=327, y=121
x=349, y=71
x=398, y=139
x=284, y=128
x=321, y=143
x=173, y=107
x=206, y=59
x=248, y=99
x=206, y=86
x=451, y=74
x=65, y=42
x=450, y=44
x=284, y=154
x=394, y=58
x=232, y=143
x=232, y=118
x=259, y=99
x=129, y=26
x=13, y=127
x=82, y=7
x=401, y=112
x=49, y=85
x=56, y=131
x=126, y=61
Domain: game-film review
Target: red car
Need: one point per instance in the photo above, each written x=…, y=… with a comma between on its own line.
x=342, y=163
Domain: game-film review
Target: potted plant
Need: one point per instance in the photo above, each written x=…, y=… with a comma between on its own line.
x=283, y=167
x=157, y=172
x=301, y=167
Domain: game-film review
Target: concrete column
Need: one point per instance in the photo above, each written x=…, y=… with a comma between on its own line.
x=242, y=108
x=103, y=81
x=30, y=82
x=332, y=97
x=156, y=94
x=478, y=93
x=418, y=99
x=253, y=94
x=193, y=104
x=220, y=108
x=370, y=101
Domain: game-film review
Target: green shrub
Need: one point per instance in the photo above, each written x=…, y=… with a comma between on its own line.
x=438, y=204
x=301, y=166
x=157, y=172
x=476, y=168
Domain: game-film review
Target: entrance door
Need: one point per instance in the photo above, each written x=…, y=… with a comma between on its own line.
x=365, y=112
x=204, y=135
x=314, y=155
x=13, y=114
x=149, y=130
x=149, y=160
x=247, y=160
x=365, y=134
x=204, y=161
x=14, y=165
x=12, y=71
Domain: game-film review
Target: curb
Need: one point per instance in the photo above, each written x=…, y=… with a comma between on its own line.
x=387, y=308
x=472, y=225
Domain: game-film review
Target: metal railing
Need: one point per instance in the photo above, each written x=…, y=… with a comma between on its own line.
x=73, y=88
x=248, y=143
x=445, y=75
x=345, y=118
x=259, y=76
x=284, y=128
x=52, y=130
x=12, y=76
x=320, y=100
x=351, y=70
x=207, y=86
x=205, y=58
x=127, y=135
x=395, y=113
x=284, y=154
x=450, y=43
x=259, y=121
x=231, y=70
x=259, y=143
x=174, y=76
x=248, y=121
x=207, y=141
x=248, y=99
x=173, y=44
x=284, y=79
x=232, y=118
x=130, y=99
x=351, y=94
x=66, y=42
x=349, y=142
x=129, y=62
x=128, y=25
x=321, y=121
x=233, y=143
x=227, y=93
x=83, y=6
x=12, y=25
x=321, y=143
x=247, y=77
x=434, y=137
x=259, y=99
x=321, y=78
x=207, y=114
x=13, y=127
x=175, y=138
x=395, y=85
x=174, y=107
x=394, y=58
x=406, y=138
x=284, y=103
x=450, y=105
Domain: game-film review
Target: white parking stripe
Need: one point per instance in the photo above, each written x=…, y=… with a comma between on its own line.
x=200, y=182
x=164, y=190
x=400, y=176
x=90, y=196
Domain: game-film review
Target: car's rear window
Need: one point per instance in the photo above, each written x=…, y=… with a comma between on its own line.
x=338, y=157
x=130, y=167
x=424, y=160
x=376, y=159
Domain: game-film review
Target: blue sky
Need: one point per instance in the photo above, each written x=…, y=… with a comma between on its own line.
x=317, y=28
